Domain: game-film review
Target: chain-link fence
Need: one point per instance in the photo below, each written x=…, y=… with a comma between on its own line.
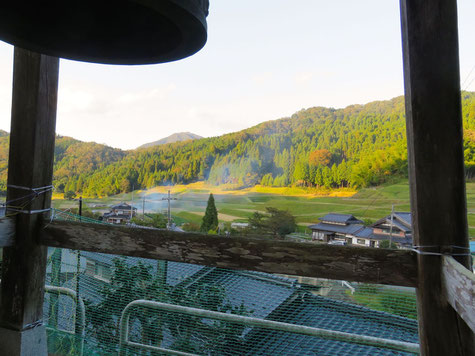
x=107, y=284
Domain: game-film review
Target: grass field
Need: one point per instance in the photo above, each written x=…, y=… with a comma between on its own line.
x=307, y=205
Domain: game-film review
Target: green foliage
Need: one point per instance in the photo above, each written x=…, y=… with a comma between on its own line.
x=190, y=334
x=210, y=219
x=392, y=301
x=190, y=226
x=151, y=220
x=386, y=244
x=276, y=222
x=69, y=195
x=86, y=212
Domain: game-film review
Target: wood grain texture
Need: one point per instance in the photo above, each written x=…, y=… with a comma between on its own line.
x=396, y=267
x=7, y=232
x=459, y=285
x=436, y=166
x=35, y=83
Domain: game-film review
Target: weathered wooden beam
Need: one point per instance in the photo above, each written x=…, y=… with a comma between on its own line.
x=459, y=285
x=30, y=165
x=436, y=165
x=396, y=267
x=7, y=232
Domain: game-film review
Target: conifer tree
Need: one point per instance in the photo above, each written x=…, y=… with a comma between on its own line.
x=210, y=220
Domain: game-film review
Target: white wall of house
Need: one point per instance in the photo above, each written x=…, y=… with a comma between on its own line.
x=358, y=241
x=316, y=235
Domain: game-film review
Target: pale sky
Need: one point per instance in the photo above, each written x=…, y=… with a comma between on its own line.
x=265, y=59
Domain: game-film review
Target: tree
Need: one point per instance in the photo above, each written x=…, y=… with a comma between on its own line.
x=151, y=220
x=280, y=222
x=319, y=158
x=301, y=173
x=190, y=226
x=210, y=219
x=276, y=222
x=69, y=195
x=385, y=244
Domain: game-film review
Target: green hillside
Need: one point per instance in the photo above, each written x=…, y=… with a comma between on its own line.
x=358, y=146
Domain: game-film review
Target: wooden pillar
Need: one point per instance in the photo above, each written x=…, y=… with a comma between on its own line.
x=436, y=166
x=35, y=83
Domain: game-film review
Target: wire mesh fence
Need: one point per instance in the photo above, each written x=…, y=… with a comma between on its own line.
x=108, y=283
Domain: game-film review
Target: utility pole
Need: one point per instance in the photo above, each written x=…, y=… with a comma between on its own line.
x=78, y=271
x=132, y=204
x=391, y=228
x=80, y=208
x=143, y=207
x=169, y=198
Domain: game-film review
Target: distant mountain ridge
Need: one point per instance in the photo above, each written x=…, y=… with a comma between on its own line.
x=176, y=137
x=357, y=146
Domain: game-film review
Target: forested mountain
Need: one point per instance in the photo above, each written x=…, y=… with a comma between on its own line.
x=176, y=137
x=357, y=146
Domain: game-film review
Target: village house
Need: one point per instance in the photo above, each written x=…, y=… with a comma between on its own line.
x=336, y=228
x=345, y=229
x=398, y=229
x=120, y=214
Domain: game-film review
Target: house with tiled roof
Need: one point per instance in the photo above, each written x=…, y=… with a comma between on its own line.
x=346, y=229
x=336, y=228
x=120, y=213
x=398, y=229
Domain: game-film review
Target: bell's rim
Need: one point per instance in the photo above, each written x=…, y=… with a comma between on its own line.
x=171, y=29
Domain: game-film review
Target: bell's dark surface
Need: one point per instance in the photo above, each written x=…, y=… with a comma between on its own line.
x=112, y=32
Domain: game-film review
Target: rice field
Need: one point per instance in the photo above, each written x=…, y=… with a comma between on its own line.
x=237, y=205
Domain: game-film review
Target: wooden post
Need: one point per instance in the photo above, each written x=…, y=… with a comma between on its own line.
x=436, y=166
x=35, y=83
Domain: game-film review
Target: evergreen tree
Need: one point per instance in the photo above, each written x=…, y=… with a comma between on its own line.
x=210, y=220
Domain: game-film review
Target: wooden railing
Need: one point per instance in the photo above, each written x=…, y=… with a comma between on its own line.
x=371, y=265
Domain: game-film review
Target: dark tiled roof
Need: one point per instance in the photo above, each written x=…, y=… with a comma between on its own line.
x=260, y=293
x=341, y=218
x=176, y=271
x=325, y=313
x=398, y=239
x=123, y=206
x=341, y=229
x=276, y=298
x=401, y=220
x=399, y=225
x=406, y=217
x=117, y=216
x=366, y=233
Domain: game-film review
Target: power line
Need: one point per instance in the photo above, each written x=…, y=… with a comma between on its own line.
x=469, y=84
x=468, y=75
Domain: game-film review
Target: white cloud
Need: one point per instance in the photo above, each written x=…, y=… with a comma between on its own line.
x=262, y=78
